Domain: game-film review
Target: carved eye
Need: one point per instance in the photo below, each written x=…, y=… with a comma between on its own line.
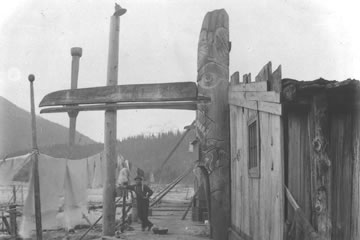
x=208, y=79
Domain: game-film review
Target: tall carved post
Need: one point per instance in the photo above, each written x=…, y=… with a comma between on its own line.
x=213, y=119
x=110, y=127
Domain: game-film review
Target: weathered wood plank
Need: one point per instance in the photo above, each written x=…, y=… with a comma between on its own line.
x=273, y=108
x=266, y=183
x=299, y=168
x=322, y=166
x=234, y=99
x=184, y=105
x=254, y=196
x=178, y=91
x=235, y=78
x=275, y=80
x=342, y=159
x=233, y=162
x=355, y=218
x=244, y=168
x=277, y=143
x=265, y=74
x=294, y=158
x=247, y=78
x=259, y=96
x=250, y=87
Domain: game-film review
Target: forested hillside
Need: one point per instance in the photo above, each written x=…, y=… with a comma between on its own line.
x=145, y=152
x=149, y=152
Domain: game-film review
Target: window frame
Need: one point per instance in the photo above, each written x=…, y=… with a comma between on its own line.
x=254, y=172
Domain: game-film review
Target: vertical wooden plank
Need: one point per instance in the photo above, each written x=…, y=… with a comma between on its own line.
x=254, y=194
x=348, y=173
x=337, y=143
x=235, y=79
x=243, y=169
x=277, y=173
x=247, y=78
x=275, y=80
x=297, y=166
x=266, y=183
x=239, y=195
x=233, y=146
x=265, y=73
x=342, y=159
x=321, y=165
x=355, y=218
x=246, y=181
x=237, y=161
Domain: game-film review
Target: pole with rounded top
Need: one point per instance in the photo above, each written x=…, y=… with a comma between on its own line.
x=76, y=53
x=35, y=169
x=109, y=192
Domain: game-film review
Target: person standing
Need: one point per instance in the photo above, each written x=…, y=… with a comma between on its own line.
x=143, y=194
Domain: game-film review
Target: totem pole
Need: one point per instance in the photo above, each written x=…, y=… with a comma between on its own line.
x=212, y=120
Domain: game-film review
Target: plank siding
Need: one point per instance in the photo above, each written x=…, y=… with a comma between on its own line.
x=298, y=169
x=341, y=153
x=257, y=203
x=233, y=149
x=355, y=224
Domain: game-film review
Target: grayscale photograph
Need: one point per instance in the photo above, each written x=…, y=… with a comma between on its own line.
x=179, y=120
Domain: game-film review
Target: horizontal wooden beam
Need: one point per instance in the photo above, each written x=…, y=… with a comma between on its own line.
x=259, y=96
x=273, y=108
x=179, y=91
x=180, y=105
x=250, y=87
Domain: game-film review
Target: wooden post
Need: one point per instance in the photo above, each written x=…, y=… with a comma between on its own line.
x=14, y=193
x=320, y=166
x=13, y=223
x=109, y=192
x=124, y=206
x=76, y=53
x=212, y=120
x=35, y=168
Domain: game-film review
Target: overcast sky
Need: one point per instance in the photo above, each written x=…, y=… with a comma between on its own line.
x=158, y=43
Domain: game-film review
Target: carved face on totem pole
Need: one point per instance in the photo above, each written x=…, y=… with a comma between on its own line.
x=213, y=69
x=213, y=50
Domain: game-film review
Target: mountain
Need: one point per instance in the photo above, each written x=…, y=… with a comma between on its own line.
x=15, y=131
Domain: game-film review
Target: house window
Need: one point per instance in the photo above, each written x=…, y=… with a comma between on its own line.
x=254, y=148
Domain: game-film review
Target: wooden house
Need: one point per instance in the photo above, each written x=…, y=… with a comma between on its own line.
x=295, y=158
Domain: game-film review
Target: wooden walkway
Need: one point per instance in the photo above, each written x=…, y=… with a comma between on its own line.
x=168, y=214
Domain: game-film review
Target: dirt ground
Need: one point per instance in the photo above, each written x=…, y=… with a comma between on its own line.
x=177, y=229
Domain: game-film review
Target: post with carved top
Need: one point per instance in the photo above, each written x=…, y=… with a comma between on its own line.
x=212, y=120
